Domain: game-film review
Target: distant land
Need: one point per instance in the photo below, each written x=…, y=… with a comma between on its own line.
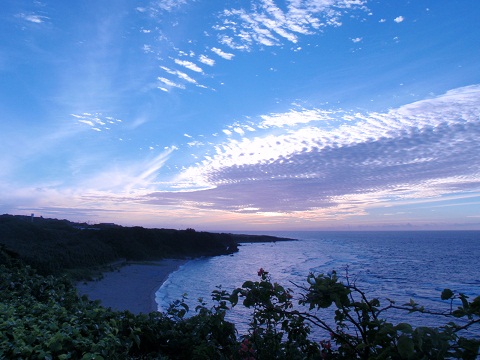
x=54, y=246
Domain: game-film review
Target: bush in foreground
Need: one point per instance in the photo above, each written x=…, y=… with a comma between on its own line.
x=278, y=330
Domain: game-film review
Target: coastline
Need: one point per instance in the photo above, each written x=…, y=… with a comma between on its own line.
x=132, y=287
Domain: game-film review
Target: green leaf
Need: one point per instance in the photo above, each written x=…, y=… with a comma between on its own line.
x=185, y=306
x=234, y=298
x=405, y=347
x=475, y=306
x=90, y=356
x=447, y=294
x=464, y=300
x=404, y=327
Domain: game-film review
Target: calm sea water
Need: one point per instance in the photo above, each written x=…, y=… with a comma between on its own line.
x=395, y=265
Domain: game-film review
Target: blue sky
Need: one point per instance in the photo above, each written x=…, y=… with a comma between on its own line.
x=242, y=115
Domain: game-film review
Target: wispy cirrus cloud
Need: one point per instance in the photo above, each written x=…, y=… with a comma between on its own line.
x=96, y=121
x=167, y=84
x=222, y=54
x=189, y=65
x=169, y=5
x=179, y=74
x=119, y=185
x=33, y=18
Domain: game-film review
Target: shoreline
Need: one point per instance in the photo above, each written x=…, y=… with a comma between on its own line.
x=132, y=287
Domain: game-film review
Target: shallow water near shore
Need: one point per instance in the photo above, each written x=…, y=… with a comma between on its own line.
x=395, y=265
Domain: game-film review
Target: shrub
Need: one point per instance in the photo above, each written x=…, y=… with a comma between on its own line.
x=278, y=330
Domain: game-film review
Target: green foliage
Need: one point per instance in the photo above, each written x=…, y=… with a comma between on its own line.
x=280, y=330
x=358, y=331
x=44, y=318
x=276, y=331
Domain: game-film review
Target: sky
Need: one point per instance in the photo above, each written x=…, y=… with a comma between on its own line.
x=242, y=115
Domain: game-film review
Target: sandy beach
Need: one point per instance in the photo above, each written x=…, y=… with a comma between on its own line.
x=132, y=287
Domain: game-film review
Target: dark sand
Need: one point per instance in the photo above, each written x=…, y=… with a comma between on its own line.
x=132, y=287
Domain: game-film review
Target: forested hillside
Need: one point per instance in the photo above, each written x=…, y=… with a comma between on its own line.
x=52, y=246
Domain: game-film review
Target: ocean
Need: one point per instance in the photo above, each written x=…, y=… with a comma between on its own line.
x=400, y=266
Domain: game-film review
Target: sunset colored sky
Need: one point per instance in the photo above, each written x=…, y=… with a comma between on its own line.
x=242, y=115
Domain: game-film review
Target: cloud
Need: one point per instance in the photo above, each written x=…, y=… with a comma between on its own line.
x=206, y=60
x=357, y=39
x=267, y=24
x=306, y=166
x=219, y=52
x=180, y=75
x=399, y=19
x=147, y=49
x=195, y=143
x=170, y=83
x=259, y=23
x=124, y=178
x=294, y=117
x=88, y=122
x=344, y=165
x=239, y=130
x=189, y=65
x=96, y=121
x=169, y=5
x=144, y=176
x=33, y=18
x=117, y=188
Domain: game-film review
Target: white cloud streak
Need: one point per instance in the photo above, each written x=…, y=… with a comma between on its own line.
x=179, y=74
x=170, y=83
x=219, y=52
x=33, y=18
x=169, y=5
x=206, y=60
x=189, y=65
x=97, y=121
